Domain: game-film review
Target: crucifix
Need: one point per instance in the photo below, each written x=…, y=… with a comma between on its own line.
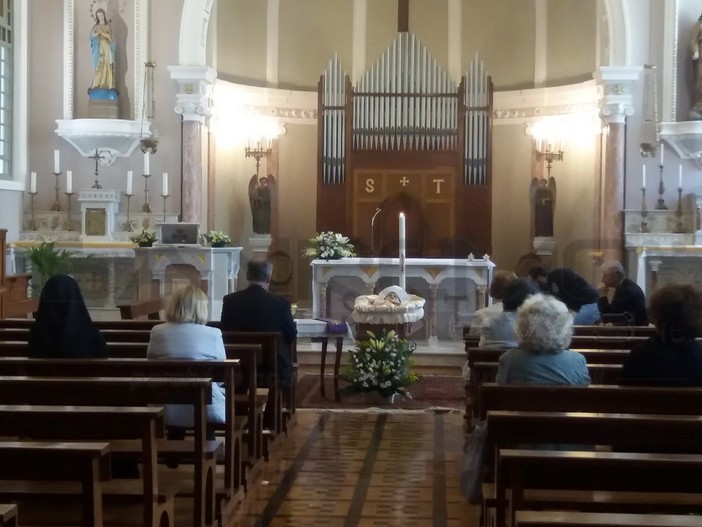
x=97, y=156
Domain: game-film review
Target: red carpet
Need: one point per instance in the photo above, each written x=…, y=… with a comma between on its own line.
x=429, y=392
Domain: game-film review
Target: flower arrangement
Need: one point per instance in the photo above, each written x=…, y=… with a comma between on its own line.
x=381, y=364
x=144, y=238
x=329, y=246
x=217, y=238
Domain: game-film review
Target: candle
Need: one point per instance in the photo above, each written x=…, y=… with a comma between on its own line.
x=33, y=182
x=165, y=184
x=57, y=165
x=146, y=163
x=662, y=152
x=129, y=183
x=679, y=176
x=644, y=176
x=402, y=249
x=69, y=181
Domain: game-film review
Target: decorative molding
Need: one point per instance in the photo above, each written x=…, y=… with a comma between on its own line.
x=616, y=83
x=194, y=102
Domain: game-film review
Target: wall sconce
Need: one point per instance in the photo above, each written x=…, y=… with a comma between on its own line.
x=549, y=146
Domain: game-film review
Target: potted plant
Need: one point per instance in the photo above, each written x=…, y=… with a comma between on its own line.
x=217, y=239
x=47, y=261
x=381, y=364
x=329, y=246
x=144, y=238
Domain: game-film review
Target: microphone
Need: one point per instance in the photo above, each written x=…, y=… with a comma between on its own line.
x=377, y=211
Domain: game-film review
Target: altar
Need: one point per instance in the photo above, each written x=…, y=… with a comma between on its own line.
x=453, y=288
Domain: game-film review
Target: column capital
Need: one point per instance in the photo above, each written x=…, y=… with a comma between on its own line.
x=194, y=101
x=616, y=83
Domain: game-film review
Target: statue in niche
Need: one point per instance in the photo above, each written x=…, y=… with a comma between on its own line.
x=695, y=48
x=543, y=198
x=260, y=198
x=103, y=49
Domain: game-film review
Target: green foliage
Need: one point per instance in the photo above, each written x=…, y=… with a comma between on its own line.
x=144, y=237
x=382, y=364
x=48, y=261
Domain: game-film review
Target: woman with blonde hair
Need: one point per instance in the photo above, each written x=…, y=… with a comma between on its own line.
x=185, y=335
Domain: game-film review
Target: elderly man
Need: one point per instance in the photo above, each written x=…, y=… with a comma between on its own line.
x=628, y=299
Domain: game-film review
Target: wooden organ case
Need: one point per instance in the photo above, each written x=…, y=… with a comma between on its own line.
x=406, y=138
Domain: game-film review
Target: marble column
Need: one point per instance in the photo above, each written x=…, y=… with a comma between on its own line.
x=615, y=107
x=194, y=104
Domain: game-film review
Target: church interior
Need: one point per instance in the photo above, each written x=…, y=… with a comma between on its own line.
x=445, y=139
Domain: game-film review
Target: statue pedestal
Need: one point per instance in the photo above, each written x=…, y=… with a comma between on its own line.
x=260, y=244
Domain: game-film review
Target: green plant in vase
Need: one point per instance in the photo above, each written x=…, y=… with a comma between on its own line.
x=217, y=239
x=144, y=238
x=329, y=246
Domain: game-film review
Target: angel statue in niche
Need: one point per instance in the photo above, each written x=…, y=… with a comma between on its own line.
x=543, y=198
x=261, y=198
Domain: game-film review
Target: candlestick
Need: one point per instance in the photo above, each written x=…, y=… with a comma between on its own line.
x=643, y=172
x=68, y=225
x=146, y=163
x=662, y=153
x=33, y=183
x=32, y=219
x=165, y=197
x=129, y=183
x=127, y=225
x=57, y=204
x=679, y=175
x=678, y=213
x=402, y=234
x=164, y=185
x=57, y=164
x=643, y=227
x=660, y=205
x=146, y=207
x=69, y=182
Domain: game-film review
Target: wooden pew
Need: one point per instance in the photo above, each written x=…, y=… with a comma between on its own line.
x=484, y=372
x=611, y=331
x=82, y=423
x=597, y=356
x=519, y=470
x=220, y=371
x=60, y=461
x=150, y=308
x=599, y=519
x=606, y=342
x=120, y=391
x=8, y=515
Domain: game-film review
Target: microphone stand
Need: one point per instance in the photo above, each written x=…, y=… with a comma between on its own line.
x=372, y=227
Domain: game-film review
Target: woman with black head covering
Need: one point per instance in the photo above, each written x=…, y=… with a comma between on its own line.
x=576, y=293
x=63, y=327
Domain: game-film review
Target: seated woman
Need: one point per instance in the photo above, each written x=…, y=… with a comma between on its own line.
x=497, y=331
x=63, y=327
x=185, y=336
x=673, y=357
x=576, y=293
x=544, y=329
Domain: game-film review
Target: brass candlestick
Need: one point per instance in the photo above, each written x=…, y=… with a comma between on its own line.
x=127, y=226
x=644, y=213
x=146, y=208
x=660, y=205
x=679, y=213
x=69, y=222
x=57, y=204
x=32, y=219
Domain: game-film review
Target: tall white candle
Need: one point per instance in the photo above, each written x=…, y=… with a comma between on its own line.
x=165, y=184
x=69, y=181
x=57, y=164
x=644, y=176
x=146, y=163
x=402, y=249
x=129, y=182
x=680, y=176
x=662, y=152
x=33, y=182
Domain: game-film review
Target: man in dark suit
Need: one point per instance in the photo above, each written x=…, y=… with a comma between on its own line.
x=255, y=309
x=628, y=300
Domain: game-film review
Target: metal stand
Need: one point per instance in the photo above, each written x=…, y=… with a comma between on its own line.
x=678, y=213
x=661, y=190
x=69, y=222
x=127, y=226
x=165, y=197
x=32, y=220
x=146, y=208
x=644, y=213
x=57, y=204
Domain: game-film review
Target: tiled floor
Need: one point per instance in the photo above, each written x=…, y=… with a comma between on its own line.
x=364, y=469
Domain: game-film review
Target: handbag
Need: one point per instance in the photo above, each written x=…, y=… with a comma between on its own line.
x=474, y=464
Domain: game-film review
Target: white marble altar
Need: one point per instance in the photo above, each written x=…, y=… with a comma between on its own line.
x=453, y=288
x=161, y=269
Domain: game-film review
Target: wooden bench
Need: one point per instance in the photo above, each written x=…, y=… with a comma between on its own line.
x=484, y=372
x=604, y=472
x=150, y=308
x=612, y=331
x=220, y=371
x=8, y=515
x=600, y=519
x=86, y=463
x=606, y=342
x=82, y=423
x=120, y=391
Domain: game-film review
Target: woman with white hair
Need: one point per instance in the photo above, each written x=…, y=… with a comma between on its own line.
x=544, y=328
x=185, y=336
